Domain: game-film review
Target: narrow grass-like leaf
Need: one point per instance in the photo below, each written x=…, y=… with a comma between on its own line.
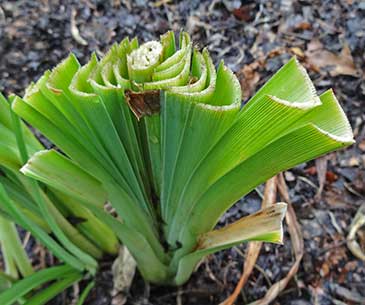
x=85, y=293
x=12, y=248
x=50, y=292
x=19, y=289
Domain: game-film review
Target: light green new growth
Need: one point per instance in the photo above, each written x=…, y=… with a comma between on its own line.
x=161, y=134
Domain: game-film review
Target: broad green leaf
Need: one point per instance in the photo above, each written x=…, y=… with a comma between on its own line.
x=195, y=142
x=304, y=143
x=66, y=176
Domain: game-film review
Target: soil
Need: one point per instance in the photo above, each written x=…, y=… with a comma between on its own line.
x=254, y=38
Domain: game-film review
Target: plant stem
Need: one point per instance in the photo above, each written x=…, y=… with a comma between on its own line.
x=14, y=249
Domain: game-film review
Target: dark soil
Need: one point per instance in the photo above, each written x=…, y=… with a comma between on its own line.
x=254, y=39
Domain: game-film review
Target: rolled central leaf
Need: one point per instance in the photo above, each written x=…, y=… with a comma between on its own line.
x=143, y=61
x=164, y=133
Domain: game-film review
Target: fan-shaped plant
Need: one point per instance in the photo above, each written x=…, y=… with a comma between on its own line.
x=165, y=135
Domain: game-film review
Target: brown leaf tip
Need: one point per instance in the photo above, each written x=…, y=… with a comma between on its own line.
x=143, y=103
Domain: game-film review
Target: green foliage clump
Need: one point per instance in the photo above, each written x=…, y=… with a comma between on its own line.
x=161, y=134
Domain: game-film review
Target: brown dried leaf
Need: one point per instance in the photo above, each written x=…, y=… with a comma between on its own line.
x=318, y=57
x=249, y=77
x=143, y=103
x=245, y=12
x=124, y=268
x=298, y=246
x=297, y=51
x=321, y=166
x=253, y=247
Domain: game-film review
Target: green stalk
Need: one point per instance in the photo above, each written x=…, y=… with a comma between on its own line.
x=151, y=265
x=21, y=288
x=6, y=249
x=70, y=232
x=152, y=129
x=7, y=277
x=5, y=281
x=85, y=293
x=13, y=249
x=92, y=227
x=38, y=232
x=50, y=292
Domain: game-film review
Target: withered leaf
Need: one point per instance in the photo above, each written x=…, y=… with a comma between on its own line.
x=341, y=64
x=143, y=103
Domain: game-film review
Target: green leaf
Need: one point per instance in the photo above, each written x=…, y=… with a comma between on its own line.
x=66, y=176
x=196, y=140
x=52, y=215
x=150, y=265
x=56, y=288
x=20, y=288
x=12, y=248
x=294, y=147
x=85, y=293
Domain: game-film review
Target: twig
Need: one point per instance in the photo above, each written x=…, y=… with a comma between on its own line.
x=211, y=274
x=76, y=294
x=321, y=166
x=306, y=180
x=26, y=239
x=178, y=296
x=262, y=271
x=334, y=223
x=357, y=223
x=182, y=292
x=75, y=31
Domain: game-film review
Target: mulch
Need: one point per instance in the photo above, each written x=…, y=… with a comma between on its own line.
x=254, y=38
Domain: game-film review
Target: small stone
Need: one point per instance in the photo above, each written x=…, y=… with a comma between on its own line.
x=289, y=176
x=362, y=145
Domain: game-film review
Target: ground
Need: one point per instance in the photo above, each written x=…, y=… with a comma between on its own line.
x=254, y=39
